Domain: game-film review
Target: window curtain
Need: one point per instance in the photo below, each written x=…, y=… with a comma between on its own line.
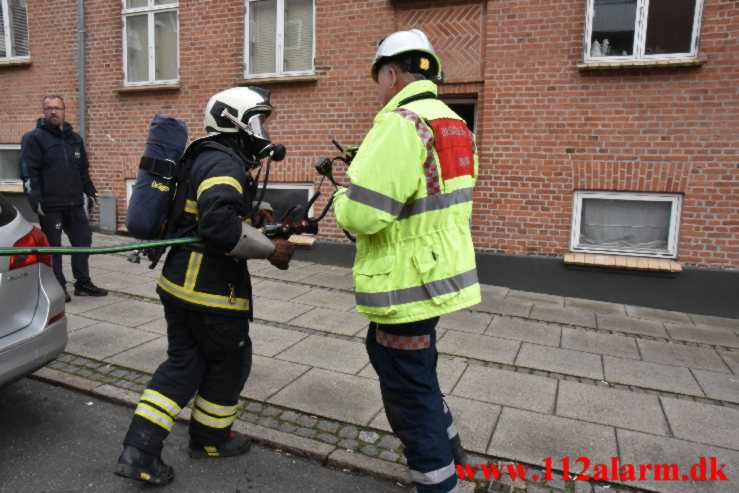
x=137, y=48
x=625, y=224
x=262, y=35
x=298, y=35
x=18, y=27
x=165, y=47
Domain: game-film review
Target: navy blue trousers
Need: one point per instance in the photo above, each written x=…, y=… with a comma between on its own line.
x=73, y=221
x=405, y=357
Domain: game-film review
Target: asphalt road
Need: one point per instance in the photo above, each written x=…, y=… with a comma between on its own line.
x=54, y=439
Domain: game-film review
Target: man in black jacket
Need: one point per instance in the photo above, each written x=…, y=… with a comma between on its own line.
x=56, y=162
x=206, y=292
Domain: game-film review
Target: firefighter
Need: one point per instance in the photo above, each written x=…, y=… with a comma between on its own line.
x=206, y=292
x=409, y=203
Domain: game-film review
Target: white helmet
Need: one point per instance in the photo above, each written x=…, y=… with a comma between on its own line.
x=241, y=103
x=421, y=57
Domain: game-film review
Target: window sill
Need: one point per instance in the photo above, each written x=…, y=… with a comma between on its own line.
x=152, y=87
x=11, y=188
x=15, y=63
x=623, y=262
x=677, y=62
x=277, y=80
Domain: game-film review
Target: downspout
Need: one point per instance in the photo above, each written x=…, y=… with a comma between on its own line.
x=81, y=83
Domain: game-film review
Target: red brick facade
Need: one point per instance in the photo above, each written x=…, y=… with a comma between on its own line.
x=544, y=128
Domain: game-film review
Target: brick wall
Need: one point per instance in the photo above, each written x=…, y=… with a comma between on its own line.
x=544, y=128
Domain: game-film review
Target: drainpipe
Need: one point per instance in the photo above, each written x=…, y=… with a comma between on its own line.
x=81, y=67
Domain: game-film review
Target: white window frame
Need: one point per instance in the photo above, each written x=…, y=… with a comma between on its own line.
x=308, y=187
x=10, y=147
x=640, y=30
x=150, y=10
x=279, y=44
x=673, y=229
x=9, y=39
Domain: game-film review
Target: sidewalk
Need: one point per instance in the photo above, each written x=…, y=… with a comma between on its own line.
x=528, y=376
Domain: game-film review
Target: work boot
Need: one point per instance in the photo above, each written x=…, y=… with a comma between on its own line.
x=458, y=453
x=67, y=298
x=135, y=464
x=236, y=444
x=88, y=289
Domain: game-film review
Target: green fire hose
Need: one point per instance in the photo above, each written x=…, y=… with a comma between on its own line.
x=95, y=250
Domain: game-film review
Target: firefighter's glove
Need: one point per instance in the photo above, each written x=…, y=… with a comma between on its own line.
x=39, y=210
x=280, y=258
x=262, y=217
x=91, y=201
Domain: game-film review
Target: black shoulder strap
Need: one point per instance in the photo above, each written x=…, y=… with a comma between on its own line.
x=417, y=97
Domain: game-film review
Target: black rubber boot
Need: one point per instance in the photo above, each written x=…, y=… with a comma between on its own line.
x=88, y=289
x=458, y=453
x=135, y=464
x=236, y=444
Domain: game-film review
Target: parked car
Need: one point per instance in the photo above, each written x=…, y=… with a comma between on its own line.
x=33, y=326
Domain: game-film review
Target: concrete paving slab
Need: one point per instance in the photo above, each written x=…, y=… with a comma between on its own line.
x=570, y=316
x=650, y=375
x=346, y=459
x=328, y=353
x=705, y=335
x=681, y=355
x=104, y=339
x=525, y=330
x=272, y=272
x=333, y=321
x=531, y=437
x=731, y=358
x=128, y=312
x=721, y=386
x=628, y=325
x=116, y=281
x=536, y=298
x=596, y=306
x=75, y=322
x=325, y=297
x=710, y=322
x=485, y=348
x=643, y=449
x=146, y=289
x=269, y=341
x=83, y=304
x=158, y=326
x=268, y=376
x=703, y=423
x=507, y=388
x=379, y=422
x=449, y=370
x=475, y=421
x=145, y=357
x=656, y=314
x=333, y=395
x=278, y=310
x=599, y=343
x=466, y=321
x=493, y=291
x=328, y=280
x=558, y=360
x=494, y=304
x=280, y=290
x=619, y=408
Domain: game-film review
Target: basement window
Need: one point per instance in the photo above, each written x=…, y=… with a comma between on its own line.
x=283, y=196
x=10, y=164
x=642, y=30
x=626, y=223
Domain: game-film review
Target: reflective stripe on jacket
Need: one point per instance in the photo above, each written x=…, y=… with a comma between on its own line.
x=211, y=281
x=409, y=203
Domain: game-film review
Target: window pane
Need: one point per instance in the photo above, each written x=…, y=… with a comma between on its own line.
x=165, y=47
x=134, y=4
x=18, y=28
x=637, y=224
x=3, y=51
x=10, y=168
x=670, y=26
x=262, y=49
x=614, y=23
x=165, y=2
x=298, y=35
x=137, y=47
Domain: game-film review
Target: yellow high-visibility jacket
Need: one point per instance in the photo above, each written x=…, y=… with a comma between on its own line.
x=409, y=202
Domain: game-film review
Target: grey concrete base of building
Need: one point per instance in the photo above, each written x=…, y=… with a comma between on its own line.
x=703, y=291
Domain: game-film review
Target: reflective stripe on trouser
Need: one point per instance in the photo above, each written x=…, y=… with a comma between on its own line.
x=413, y=402
x=209, y=354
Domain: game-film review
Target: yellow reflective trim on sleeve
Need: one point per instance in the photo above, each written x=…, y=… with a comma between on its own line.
x=162, y=401
x=193, y=268
x=203, y=299
x=213, y=408
x=191, y=207
x=156, y=417
x=210, y=421
x=219, y=180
